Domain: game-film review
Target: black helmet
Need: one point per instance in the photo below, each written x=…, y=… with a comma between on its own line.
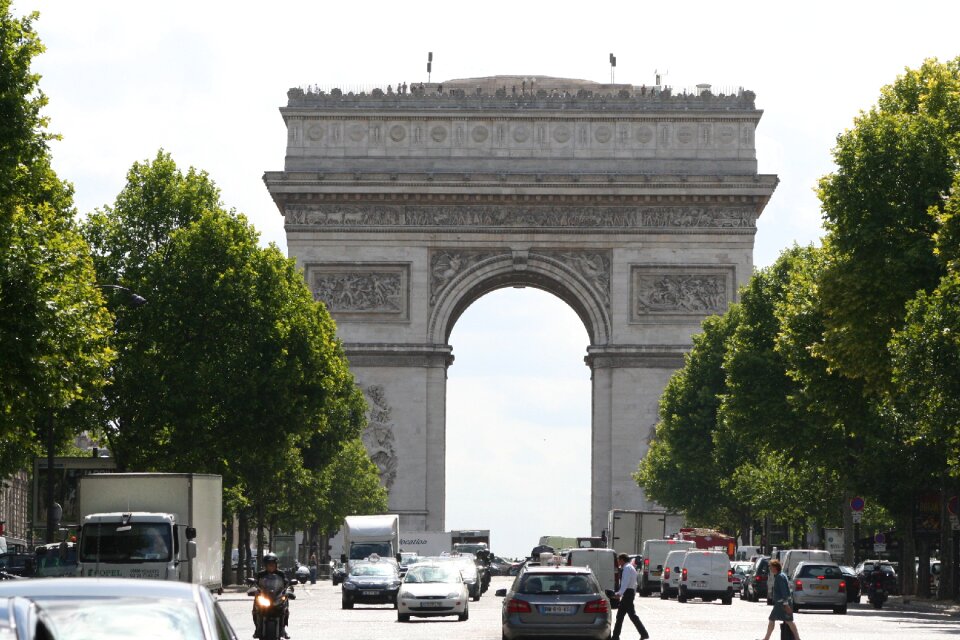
x=270, y=557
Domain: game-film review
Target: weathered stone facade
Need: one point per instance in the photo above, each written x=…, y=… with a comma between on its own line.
x=636, y=207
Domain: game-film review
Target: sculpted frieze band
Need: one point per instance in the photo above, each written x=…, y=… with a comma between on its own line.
x=509, y=216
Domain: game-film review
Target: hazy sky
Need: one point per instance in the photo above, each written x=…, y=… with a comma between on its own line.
x=204, y=80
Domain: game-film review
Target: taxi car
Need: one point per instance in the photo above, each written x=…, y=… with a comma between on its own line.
x=433, y=589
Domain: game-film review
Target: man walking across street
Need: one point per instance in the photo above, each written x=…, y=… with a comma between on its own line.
x=626, y=594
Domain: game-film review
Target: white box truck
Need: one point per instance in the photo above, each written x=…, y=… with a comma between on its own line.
x=627, y=529
x=364, y=536
x=425, y=543
x=163, y=526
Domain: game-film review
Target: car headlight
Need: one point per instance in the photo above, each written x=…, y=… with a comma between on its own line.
x=453, y=594
x=406, y=595
x=394, y=585
x=349, y=585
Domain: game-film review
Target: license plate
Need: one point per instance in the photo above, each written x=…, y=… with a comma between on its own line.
x=371, y=593
x=557, y=610
x=431, y=605
x=702, y=585
x=821, y=587
x=655, y=574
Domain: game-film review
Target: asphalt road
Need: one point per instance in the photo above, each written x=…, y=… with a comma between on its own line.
x=317, y=614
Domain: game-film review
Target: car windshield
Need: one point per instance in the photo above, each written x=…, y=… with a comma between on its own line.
x=361, y=551
x=109, y=618
x=372, y=570
x=433, y=573
x=554, y=583
x=134, y=542
x=817, y=570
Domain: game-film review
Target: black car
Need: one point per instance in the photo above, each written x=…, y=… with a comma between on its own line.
x=756, y=579
x=371, y=582
x=18, y=564
x=853, y=583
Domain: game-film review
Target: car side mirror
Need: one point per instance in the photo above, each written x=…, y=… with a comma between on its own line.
x=191, y=533
x=501, y=593
x=191, y=549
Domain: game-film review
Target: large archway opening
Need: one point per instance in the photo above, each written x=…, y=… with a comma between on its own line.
x=518, y=420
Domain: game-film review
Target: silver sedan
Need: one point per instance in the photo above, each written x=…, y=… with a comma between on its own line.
x=110, y=608
x=555, y=602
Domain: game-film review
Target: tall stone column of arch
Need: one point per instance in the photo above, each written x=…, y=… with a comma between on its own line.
x=636, y=207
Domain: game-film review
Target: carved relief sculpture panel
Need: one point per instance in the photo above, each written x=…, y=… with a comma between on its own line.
x=591, y=266
x=447, y=264
x=362, y=291
x=679, y=291
x=378, y=437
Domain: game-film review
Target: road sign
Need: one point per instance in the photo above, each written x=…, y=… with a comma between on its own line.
x=952, y=506
x=879, y=539
x=880, y=548
x=857, y=516
x=856, y=504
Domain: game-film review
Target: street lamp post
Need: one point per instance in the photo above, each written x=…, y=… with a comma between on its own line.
x=53, y=517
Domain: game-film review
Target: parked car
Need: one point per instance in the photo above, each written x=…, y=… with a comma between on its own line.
x=56, y=560
x=705, y=575
x=853, y=583
x=757, y=580
x=433, y=589
x=819, y=585
x=18, y=564
x=670, y=580
x=372, y=581
x=555, y=601
x=114, y=608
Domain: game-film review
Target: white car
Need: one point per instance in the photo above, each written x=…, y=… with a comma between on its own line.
x=430, y=590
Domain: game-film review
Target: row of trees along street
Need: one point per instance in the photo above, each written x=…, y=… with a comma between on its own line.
x=230, y=368
x=837, y=373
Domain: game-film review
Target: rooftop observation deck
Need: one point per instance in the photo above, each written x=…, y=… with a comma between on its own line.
x=514, y=92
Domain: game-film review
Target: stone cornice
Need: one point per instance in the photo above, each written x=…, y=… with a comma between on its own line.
x=398, y=355
x=635, y=356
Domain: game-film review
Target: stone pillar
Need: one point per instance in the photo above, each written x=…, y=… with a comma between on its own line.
x=627, y=383
x=405, y=387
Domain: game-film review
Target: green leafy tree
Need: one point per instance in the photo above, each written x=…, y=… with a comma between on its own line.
x=53, y=325
x=681, y=469
x=893, y=166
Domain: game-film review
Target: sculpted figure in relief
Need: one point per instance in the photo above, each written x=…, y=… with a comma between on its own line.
x=681, y=293
x=378, y=437
x=362, y=291
x=593, y=266
x=446, y=265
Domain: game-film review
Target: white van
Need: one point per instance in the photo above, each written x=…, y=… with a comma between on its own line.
x=707, y=575
x=603, y=563
x=654, y=555
x=670, y=580
x=793, y=557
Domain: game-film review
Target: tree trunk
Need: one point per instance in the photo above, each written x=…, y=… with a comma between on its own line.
x=260, y=535
x=228, y=553
x=243, y=533
x=849, y=539
x=908, y=551
x=946, y=542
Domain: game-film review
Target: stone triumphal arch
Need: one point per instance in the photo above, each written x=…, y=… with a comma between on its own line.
x=636, y=206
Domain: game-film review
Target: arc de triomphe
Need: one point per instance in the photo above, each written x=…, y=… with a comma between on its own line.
x=636, y=207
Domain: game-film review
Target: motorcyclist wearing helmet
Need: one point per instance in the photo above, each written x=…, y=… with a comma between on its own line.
x=271, y=566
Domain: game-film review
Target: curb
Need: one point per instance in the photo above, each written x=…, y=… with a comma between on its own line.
x=945, y=607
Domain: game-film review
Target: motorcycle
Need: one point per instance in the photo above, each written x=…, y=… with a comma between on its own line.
x=877, y=593
x=270, y=600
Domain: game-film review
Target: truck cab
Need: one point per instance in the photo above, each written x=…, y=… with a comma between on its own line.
x=135, y=545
